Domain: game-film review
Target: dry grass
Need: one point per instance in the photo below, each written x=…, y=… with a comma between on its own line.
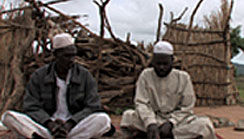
x=205, y=61
x=217, y=20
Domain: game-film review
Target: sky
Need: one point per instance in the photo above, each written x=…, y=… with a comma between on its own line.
x=140, y=17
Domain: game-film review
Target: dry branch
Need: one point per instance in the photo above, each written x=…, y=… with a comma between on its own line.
x=212, y=83
x=70, y=18
x=191, y=20
x=104, y=20
x=107, y=25
x=180, y=16
x=29, y=7
x=19, y=26
x=229, y=16
x=161, y=10
x=102, y=15
x=226, y=34
x=202, y=55
x=194, y=30
x=200, y=44
x=210, y=66
x=21, y=39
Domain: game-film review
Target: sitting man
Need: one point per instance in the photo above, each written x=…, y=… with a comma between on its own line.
x=61, y=100
x=163, y=102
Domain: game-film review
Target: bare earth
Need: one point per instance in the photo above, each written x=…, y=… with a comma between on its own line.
x=233, y=113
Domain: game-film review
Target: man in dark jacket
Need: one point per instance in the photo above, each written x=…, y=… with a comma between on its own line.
x=61, y=100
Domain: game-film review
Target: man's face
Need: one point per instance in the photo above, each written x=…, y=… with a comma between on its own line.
x=65, y=57
x=162, y=64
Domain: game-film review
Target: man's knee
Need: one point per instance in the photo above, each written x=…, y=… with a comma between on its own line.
x=7, y=116
x=207, y=127
x=128, y=112
x=102, y=118
x=12, y=117
x=206, y=123
x=128, y=117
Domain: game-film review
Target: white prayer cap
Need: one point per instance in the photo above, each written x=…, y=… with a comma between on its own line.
x=163, y=47
x=62, y=40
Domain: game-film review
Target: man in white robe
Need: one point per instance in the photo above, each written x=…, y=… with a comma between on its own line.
x=164, y=101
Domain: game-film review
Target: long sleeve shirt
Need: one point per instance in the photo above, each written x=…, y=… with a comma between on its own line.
x=170, y=98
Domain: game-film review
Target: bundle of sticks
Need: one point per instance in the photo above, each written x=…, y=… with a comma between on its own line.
x=115, y=64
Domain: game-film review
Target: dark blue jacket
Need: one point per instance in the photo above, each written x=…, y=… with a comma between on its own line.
x=40, y=95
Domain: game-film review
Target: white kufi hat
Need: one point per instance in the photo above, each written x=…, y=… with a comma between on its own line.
x=163, y=47
x=62, y=40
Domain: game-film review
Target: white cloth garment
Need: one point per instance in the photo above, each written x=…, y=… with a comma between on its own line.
x=171, y=99
x=94, y=126
x=2, y=127
x=62, y=107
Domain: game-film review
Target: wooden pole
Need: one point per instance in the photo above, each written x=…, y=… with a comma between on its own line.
x=159, y=22
x=29, y=7
x=191, y=20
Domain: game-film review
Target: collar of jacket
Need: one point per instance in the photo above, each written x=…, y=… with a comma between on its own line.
x=50, y=74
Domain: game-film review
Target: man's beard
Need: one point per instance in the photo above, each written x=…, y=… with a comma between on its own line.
x=163, y=74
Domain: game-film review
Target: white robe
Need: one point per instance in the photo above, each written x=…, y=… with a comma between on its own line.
x=171, y=98
x=93, y=126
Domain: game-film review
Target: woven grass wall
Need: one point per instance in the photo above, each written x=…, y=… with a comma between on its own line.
x=205, y=55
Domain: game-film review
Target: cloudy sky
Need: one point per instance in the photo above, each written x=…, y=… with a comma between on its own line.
x=140, y=17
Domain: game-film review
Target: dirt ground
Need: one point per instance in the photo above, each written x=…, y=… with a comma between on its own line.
x=233, y=113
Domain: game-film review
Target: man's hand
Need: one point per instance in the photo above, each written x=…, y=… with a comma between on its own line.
x=60, y=134
x=64, y=129
x=69, y=125
x=166, y=130
x=52, y=126
x=153, y=132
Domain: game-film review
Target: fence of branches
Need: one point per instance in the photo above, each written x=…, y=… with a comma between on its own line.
x=205, y=53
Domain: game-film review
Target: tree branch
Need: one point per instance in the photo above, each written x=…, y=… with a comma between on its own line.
x=39, y=4
x=191, y=21
x=181, y=15
x=159, y=22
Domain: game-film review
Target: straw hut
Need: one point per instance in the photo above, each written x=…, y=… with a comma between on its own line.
x=205, y=54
